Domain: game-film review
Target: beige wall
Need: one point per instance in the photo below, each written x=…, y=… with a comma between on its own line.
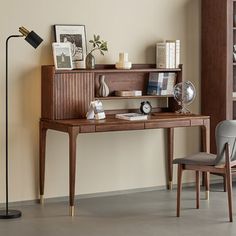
x=106, y=161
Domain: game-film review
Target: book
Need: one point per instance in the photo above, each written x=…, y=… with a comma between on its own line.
x=164, y=85
x=177, y=53
x=126, y=93
x=168, y=83
x=154, y=84
x=161, y=83
x=132, y=116
x=168, y=54
x=161, y=55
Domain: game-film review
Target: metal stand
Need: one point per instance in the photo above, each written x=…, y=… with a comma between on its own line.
x=9, y=214
x=183, y=109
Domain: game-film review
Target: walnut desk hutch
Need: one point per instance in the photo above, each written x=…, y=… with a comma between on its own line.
x=66, y=96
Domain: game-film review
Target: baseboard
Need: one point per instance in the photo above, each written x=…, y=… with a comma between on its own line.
x=103, y=194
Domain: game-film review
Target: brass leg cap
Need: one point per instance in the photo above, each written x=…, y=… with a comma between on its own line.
x=72, y=210
x=170, y=185
x=207, y=195
x=41, y=200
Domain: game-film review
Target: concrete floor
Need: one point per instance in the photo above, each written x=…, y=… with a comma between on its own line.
x=148, y=213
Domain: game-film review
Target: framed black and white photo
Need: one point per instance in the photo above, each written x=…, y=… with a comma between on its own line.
x=75, y=34
x=62, y=56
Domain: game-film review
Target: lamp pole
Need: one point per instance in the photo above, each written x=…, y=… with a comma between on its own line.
x=8, y=214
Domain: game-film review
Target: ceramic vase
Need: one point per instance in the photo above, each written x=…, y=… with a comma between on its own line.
x=103, y=90
x=90, y=61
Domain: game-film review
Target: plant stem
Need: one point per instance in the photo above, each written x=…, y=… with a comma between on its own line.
x=94, y=49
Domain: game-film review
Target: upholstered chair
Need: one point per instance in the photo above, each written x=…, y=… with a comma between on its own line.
x=221, y=163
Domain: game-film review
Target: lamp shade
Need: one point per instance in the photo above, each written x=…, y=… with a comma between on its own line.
x=33, y=39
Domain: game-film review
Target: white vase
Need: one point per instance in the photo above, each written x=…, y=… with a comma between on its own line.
x=103, y=90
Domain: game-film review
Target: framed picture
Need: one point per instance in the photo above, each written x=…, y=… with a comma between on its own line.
x=62, y=56
x=75, y=34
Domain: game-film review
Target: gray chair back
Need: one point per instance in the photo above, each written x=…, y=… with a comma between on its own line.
x=225, y=133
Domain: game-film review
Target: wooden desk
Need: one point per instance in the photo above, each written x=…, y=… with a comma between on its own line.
x=73, y=127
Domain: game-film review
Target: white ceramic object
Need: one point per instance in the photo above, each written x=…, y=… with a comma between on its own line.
x=123, y=61
x=103, y=90
x=124, y=65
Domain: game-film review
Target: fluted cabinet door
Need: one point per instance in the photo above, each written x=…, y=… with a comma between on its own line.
x=65, y=95
x=73, y=94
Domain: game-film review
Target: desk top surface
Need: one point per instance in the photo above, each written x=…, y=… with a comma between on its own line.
x=110, y=119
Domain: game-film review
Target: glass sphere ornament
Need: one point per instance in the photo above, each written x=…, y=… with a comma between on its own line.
x=184, y=94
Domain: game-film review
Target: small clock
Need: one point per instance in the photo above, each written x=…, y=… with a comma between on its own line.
x=146, y=107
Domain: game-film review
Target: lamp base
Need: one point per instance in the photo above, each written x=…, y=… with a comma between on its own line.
x=11, y=214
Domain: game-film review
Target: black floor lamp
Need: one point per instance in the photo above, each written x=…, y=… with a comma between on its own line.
x=34, y=40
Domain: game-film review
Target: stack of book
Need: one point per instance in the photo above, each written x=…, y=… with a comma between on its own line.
x=161, y=83
x=132, y=116
x=168, y=54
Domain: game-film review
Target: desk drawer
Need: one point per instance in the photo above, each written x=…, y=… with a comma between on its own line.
x=120, y=127
x=197, y=122
x=167, y=124
x=87, y=128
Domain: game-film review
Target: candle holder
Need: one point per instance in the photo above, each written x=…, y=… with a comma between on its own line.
x=123, y=61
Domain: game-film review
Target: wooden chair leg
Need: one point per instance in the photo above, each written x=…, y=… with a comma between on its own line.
x=197, y=189
x=179, y=188
x=229, y=191
x=228, y=176
x=225, y=184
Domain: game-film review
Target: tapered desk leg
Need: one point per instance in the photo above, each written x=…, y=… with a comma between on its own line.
x=170, y=151
x=42, y=149
x=206, y=136
x=206, y=148
x=73, y=132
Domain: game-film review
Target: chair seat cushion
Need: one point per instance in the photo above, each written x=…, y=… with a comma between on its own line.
x=201, y=158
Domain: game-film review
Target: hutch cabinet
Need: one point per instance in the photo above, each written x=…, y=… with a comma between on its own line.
x=67, y=94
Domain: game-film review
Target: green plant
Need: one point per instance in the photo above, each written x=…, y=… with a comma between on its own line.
x=98, y=44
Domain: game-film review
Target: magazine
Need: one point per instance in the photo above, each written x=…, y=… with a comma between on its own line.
x=62, y=56
x=132, y=116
